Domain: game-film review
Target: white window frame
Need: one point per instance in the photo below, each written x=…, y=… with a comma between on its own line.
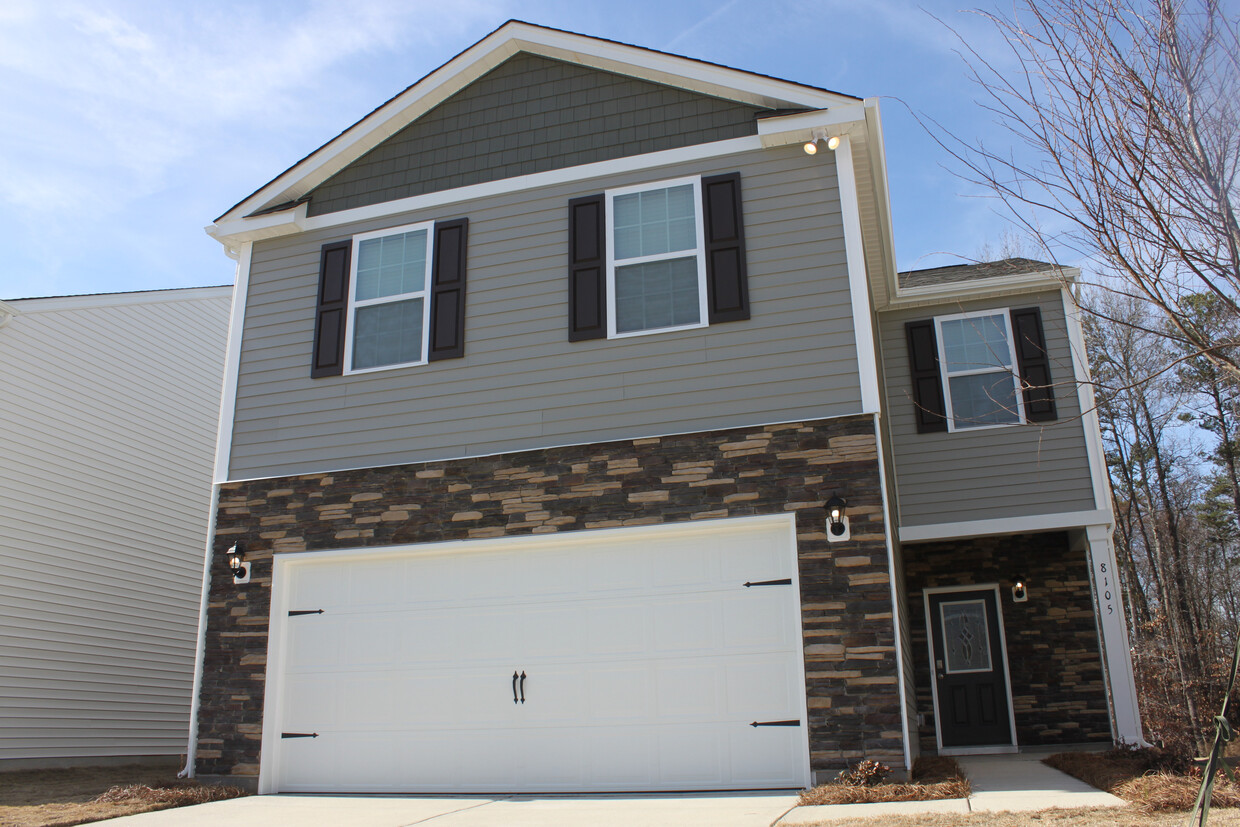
x=424, y=294
x=945, y=375
x=699, y=252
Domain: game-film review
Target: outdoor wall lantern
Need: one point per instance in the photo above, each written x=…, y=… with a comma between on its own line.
x=811, y=146
x=236, y=562
x=1019, y=593
x=837, y=521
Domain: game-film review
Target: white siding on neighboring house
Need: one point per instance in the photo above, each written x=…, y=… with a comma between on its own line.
x=108, y=411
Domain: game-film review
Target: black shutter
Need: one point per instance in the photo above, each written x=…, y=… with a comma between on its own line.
x=447, y=339
x=1034, y=364
x=587, y=265
x=727, y=288
x=328, y=356
x=923, y=359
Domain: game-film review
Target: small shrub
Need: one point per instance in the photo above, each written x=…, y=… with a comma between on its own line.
x=864, y=774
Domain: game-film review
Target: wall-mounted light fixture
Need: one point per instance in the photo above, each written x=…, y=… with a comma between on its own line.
x=811, y=146
x=1020, y=594
x=237, y=563
x=837, y=521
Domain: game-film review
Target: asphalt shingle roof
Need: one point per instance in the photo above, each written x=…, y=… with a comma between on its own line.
x=969, y=272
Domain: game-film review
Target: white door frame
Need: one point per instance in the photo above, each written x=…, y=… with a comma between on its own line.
x=277, y=637
x=934, y=684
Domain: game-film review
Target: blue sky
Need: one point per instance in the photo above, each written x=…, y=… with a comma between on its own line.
x=127, y=127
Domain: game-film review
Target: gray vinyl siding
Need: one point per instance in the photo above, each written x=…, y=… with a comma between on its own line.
x=531, y=114
x=522, y=384
x=993, y=473
x=110, y=406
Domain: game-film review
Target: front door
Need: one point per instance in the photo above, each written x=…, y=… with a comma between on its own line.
x=970, y=668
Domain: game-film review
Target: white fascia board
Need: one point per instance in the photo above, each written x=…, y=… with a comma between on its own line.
x=486, y=54
x=797, y=129
x=1004, y=525
x=237, y=232
x=858, y=283
x=54, y=303
x=981, y=288
x=882, y=194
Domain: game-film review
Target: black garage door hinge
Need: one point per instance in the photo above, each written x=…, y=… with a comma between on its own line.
x=299, y=735
x=787, y=581
x=776, y=723
x=296, y=612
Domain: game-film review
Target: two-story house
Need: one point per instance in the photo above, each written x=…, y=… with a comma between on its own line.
x=581, y=435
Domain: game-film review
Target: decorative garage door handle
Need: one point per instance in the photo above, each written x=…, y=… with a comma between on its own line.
x=523, y=687
x=515, y=678
x=514, y=686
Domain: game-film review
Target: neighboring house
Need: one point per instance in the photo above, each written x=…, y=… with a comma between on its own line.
x=109, y=405
x=543, y=378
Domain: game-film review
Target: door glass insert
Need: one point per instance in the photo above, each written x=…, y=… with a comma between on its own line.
x=966, y=636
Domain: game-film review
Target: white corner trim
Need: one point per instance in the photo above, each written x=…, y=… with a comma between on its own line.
x=1011, y=525
x=191, y=747
x=486, y=54
x=894, y=579
x=1094, y=449
x=232, y=364
x=7, y=312
x=858, y=286
x=296, y=220
x=1113, y=629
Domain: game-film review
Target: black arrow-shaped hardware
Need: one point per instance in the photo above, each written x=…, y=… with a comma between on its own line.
x=787, y=581
x=776, y=723
x=296, y=612
x=523, y=687
x=514, y=686
x=299, y=735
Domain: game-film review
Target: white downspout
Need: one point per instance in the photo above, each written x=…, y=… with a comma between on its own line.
x=192, y=747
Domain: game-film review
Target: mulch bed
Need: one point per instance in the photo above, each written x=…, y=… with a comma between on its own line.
x=933, y=778
x=1149, y=779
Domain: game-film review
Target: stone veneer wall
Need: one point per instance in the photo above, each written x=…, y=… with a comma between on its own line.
x=1058, y=690
x=853, y=699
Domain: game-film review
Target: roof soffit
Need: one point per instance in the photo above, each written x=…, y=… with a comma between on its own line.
x=490, y=52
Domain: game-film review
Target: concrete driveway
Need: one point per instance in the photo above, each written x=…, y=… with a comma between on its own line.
x=681, y=810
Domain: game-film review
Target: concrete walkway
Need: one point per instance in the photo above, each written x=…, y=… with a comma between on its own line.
x=1000, y=782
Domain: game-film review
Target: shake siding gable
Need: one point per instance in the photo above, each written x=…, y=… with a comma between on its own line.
x=531, y=114
x=522, y=384
x=992, y=473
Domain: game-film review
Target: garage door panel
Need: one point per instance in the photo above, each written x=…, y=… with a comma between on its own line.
x=645, y=660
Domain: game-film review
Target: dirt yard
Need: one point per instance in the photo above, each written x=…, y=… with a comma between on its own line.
x=59, y=798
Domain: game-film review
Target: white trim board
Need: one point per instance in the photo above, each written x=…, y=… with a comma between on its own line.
x=1094, y=449
x=491, y=51
x=1007, y=670
x=858, y=285
x=1008, y=525
x=232, y=366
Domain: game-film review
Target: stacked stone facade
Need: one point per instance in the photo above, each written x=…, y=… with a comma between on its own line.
x=1058, y=689
x=847, y=621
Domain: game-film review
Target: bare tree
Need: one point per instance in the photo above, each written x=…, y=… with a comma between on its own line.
x=1127, y=120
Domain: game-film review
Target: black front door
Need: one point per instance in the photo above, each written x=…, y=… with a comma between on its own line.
x=969, y=668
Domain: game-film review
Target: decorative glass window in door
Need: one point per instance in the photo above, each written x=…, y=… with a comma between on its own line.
x=966, y=636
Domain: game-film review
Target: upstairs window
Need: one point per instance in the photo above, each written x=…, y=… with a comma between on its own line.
x=391, y=298
x=979, y=370
x=389, y=310
x=656, y=273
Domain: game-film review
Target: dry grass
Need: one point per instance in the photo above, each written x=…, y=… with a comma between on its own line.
x=1041, y=818
x=1147, y=779
x=65, y=797
x=933, y=779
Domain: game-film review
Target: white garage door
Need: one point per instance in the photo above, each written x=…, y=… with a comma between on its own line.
x=603, y=661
